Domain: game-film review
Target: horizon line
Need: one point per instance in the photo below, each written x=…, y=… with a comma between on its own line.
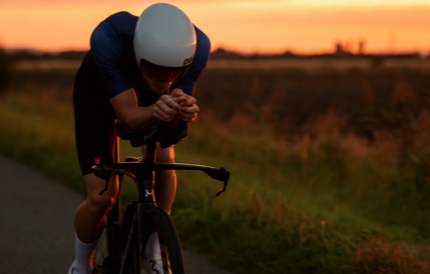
x=244, y=53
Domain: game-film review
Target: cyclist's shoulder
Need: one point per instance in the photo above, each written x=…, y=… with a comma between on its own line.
x=113, y=35
x=203, y=41
x=202, y=49
x=116, y=25
x=120, y=20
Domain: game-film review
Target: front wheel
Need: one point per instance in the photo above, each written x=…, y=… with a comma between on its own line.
x=157, y=220
x=102, y=259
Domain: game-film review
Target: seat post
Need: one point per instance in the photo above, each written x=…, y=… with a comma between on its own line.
x=150, y=152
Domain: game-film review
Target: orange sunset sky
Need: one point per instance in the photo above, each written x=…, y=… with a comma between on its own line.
x=265, y=26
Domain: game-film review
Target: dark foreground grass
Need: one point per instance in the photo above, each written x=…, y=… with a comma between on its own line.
x=307, y=206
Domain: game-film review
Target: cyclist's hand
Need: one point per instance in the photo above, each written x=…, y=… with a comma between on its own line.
x=176, y=93
x=189, y=108
x=166, y=108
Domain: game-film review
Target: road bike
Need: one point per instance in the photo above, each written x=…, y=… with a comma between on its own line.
x=122, y=244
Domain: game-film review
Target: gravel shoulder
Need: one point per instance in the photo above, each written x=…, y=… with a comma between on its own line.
x=36, y=232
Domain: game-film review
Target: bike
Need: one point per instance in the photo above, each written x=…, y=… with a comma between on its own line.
x=122, y=244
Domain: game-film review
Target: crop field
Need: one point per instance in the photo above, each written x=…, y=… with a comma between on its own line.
x=330, y=167
x=288, y=100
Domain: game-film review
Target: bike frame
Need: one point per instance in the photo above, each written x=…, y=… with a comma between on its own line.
x=144, y=182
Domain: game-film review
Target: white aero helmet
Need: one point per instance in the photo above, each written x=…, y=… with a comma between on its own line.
x=164, y=37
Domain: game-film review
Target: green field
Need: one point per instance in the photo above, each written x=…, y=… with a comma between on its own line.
x=324, y=201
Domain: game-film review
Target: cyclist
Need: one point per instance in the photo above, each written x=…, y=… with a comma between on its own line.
x=140, y=70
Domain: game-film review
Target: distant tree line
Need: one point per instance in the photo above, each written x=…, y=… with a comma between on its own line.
x=9, y=57
x=5, y=69
x=340, y=52
x=18, y=55
x=219, y=53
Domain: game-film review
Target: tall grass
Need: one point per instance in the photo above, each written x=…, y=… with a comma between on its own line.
x=319, y=203
x=327, y=204
x=370, y=177
x=308, y=197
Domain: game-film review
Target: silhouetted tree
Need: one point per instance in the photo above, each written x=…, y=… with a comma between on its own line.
x=361, y=46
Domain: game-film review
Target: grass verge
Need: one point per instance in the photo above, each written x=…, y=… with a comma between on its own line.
x=311, y=206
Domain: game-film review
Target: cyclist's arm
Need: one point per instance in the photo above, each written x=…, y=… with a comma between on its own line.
x=139, y=118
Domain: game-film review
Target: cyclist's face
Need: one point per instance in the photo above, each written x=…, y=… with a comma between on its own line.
x=157, y=85
x=159, y=78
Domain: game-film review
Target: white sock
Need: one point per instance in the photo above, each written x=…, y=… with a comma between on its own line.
x=83, y=252
x=153, y=245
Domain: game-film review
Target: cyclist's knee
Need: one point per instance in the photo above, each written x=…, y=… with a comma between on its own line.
x=98, y=204
x=165, y=155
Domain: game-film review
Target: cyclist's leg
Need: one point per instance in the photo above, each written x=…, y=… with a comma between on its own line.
x=90, y=215
x=90, y=218
x=95, y=142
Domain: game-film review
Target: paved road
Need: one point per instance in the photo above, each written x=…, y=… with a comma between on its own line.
x=36, y=229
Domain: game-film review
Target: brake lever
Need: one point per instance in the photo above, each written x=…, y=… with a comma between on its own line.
x=105, y=188
x=221, y=174
x=103, y=172
x=223, y=189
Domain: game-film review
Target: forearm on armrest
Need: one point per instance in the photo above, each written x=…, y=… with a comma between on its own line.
x=128, y=111
x=137, y=118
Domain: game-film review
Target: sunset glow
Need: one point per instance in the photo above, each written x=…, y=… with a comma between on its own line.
x=249, y=26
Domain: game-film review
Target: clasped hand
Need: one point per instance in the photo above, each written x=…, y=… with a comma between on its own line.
x=176, y=103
